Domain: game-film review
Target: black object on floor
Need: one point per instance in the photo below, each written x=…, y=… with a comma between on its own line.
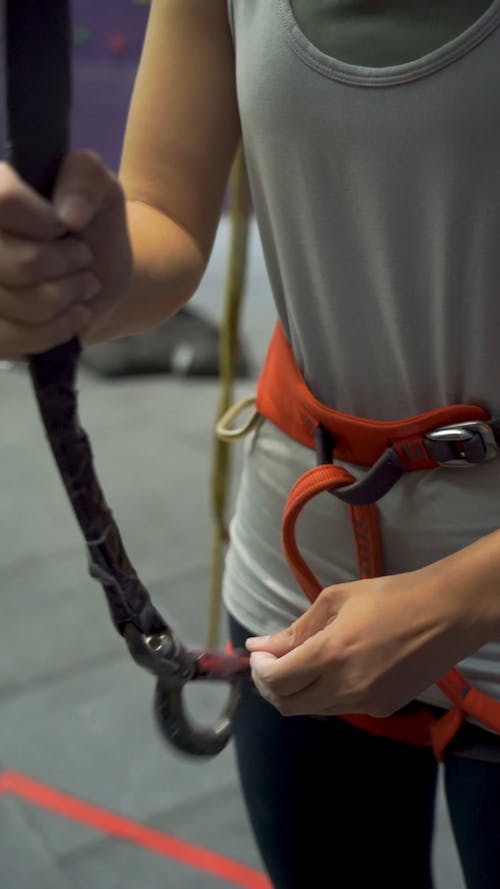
x=186, y=345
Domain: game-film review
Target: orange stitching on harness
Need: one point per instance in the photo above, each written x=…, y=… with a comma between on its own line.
x=366, y=526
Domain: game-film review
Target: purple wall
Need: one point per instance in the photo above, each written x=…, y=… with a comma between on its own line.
x=108, y=36
x=107, y=41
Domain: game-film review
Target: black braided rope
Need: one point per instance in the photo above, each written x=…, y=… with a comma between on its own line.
x=37, y=106
x=36, y=62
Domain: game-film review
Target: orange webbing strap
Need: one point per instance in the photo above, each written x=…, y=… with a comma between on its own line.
x=412, y=728
x=471, y=700
x=365, y=521
x=443, y=730
x=409, y=727
x=421, y=727
x=468, y=701
x=284, y=398
x=326, y=477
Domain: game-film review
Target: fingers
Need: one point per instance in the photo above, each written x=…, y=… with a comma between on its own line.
x=321, y=613
x=84, y=187
x=47, y=276
x=300, y=694
x=277, y=644
x=25, y=263
x=56, y=256
x=43, y=303
x=42, y=280
x=23, y=211
x=290, y=673
x=310, y=681
x=292, y=668
x=41, y=337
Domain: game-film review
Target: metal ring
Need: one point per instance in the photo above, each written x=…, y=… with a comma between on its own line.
x=178, y=730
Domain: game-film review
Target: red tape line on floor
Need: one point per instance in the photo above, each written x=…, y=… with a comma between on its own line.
x=71, y=807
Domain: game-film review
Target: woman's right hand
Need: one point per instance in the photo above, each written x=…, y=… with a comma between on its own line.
x=65, y=264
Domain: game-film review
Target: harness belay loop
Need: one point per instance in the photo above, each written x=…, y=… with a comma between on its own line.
x=456, y=435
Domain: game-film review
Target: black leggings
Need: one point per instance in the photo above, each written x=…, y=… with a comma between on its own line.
x=334, y=807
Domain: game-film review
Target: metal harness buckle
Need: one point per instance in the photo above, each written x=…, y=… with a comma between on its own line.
x=471, y=443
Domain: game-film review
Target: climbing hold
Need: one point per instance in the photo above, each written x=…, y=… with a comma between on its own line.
x=117, y=43
x=81, y=35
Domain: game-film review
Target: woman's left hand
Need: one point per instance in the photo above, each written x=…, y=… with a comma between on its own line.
x=369, y=646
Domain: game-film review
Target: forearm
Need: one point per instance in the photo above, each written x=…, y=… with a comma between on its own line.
x=468, y=585
x=167, y=268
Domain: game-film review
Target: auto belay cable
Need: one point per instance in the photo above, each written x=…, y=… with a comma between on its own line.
x=36, y=59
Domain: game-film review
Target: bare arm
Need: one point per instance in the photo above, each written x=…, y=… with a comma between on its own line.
x=182, y=133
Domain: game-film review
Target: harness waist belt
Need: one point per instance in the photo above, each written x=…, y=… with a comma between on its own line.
x=456, y=436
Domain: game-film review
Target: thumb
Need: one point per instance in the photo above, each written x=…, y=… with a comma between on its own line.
x=323, y=610
x=276, y=644
x=83, y=185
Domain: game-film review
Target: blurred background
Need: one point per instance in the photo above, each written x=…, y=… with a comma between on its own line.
x=107, y=45
x=89, y=795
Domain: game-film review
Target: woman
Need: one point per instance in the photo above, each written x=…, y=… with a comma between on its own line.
x=371, y=133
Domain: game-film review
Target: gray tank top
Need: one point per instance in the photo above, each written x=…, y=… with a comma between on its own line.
x=377, y=196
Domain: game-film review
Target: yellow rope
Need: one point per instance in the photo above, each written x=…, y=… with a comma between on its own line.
x=225, y=428
x=240, y=212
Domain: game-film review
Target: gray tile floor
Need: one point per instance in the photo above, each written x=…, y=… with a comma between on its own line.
x=75, y=713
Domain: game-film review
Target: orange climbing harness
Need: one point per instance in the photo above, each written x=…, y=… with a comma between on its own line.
x=449, y=436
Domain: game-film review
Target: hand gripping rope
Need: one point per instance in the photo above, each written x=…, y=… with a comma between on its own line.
x=37, y=97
